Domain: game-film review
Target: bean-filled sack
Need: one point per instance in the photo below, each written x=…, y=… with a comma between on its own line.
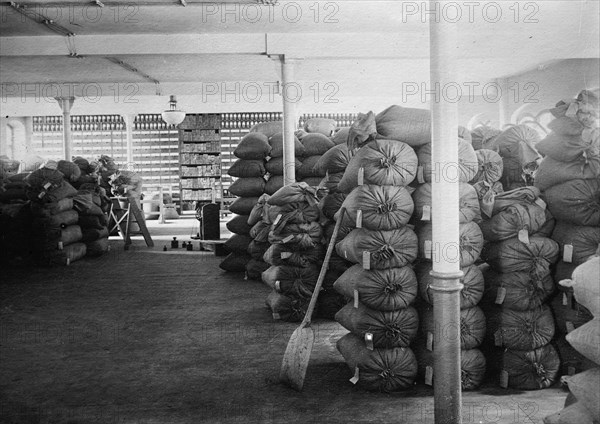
x=314, y=182
x=331, y=203
x=490, y=166
x=323, y=126
x=473, y=284
x=341, y=136
x=531, y=369
x=275, y=165
x=248, y=187
x=269, y=128
x=584, y=387
x=486, y=193
x=330, y=182
x=253, y=146
x=585, y=284
x=256, y=214
x=384, y=370
x=329, y=303
x=336, y=159
x=517, y=290
x=48, y=209
x=521, y=330
x=521, y=196
x=293, y=213
x=316, y=144
x=569, y=148
x=516, y=145
x=568, y=313
x=296, y=193
x=515, y=220
x=235, y=262
x=483, y=137
x=274, y=183
x=66, y=256
x=93, y=221
x=472, y=327
x=69, y=169
x=381, y=290
x=276, y=142
x=260, y=231
x=256, y=249
x=238, y=243
x=586, y=340
x=83, y=203
x=91, y=234
x=468, y=203
x=389, y=329
x=307, y=168
x=239, y=225
x=513, y=255
x=552, y=172
x=412, y=126
x=45, y=175
x=581, y=242
x=383, y=162
x=45, y=239
x=575, y=201
x=470, y=244
x=244, y=168
x=362, y=130
x=255, y=268
x=286, y=308
x=467, y=164
x=97, y=247
x=299, y=236
x=126, y=183
x=243, y=205
x=56, y=222
x=377, y=207
x=281, y=254
x=379, y=249
x=291, y=280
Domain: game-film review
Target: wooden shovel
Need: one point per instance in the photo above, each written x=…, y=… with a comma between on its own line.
x=297, y=354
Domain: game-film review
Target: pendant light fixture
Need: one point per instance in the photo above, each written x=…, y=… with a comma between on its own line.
x=173, y=116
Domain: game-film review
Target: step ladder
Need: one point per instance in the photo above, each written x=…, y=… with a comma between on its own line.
x=128, y=214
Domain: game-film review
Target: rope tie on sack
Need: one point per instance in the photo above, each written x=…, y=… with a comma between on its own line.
x=393, y=332
x=387, y=208
x=387, y=374
x=387, y=162
x=392, y=288
x=385, y=252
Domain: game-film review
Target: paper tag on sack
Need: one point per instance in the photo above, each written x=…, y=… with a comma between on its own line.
x=355, y=298
x=285, y=255
x=500, y=295
x=568, y=253
x=277, y=219
x=276, y=315
x=426, y=213
x=524, y=236
x=366, y=260
x=498, y=338
x=288, y=239
x=570, y=326
x=60, y=245
x=354, y=379
x=420, y=178
x=361, y=176
x=278, y=286
x=540, y=203
x=566, y=300
x=504, y=379
x=369, y=341
x=429, y=375
x=430, y=341
x=428, y=249
x=359, y=218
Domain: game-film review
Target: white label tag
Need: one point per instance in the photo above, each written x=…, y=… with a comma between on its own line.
x=568, y=253
x=268, y=158
x=524, y=236
x=500, y=295
x=366, y=260
x=428, y=248
x=345, y=254
x=359, y=218
x=278, y=286
x=420, y=177
x=565, y=299
x=285, y=255
x=504, y=379
x=369, y=341
x=355, y=298
x=430, y=341
x=429, y=375
x=426, y=213
x=540, y=203
x=570, y=326
x=361, y=176
x=354, y=379
x=277, y=219
x=276, y=315
x=60, y=245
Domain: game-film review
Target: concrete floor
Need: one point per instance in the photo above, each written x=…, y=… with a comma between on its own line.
x=147, y=336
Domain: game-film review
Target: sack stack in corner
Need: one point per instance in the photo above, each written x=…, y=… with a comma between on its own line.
x=518, y=282
x=472, y=323
x=381, y=319
x=92, y=204
x=296, y=252
x=583, y=403
x=250, y=171
x=569, y=176
x=315, y=137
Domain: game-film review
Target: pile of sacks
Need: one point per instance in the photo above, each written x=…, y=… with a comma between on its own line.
x=569, y=178
x=377, y=240
x=582, y=405
x=518, y=283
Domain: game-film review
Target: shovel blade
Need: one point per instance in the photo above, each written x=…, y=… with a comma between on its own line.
x=296, y=357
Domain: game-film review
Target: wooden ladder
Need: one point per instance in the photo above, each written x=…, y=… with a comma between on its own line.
x=123, y=223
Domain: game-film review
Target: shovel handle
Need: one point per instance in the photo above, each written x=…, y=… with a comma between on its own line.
x=315, y=295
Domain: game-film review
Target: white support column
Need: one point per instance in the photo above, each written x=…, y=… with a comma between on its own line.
x=446, y=266
x=66, y=103
x=290, y=119
x=129, y=119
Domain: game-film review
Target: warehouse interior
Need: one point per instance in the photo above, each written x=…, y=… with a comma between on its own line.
x=159, y=307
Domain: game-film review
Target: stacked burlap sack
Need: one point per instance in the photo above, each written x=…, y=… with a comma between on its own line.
x=582, y=406
x=569, y=177
x=296, y=252
x=93, y=204
x=315, y=138
x=382, y=246
x=518, y=284
x=472, y=325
